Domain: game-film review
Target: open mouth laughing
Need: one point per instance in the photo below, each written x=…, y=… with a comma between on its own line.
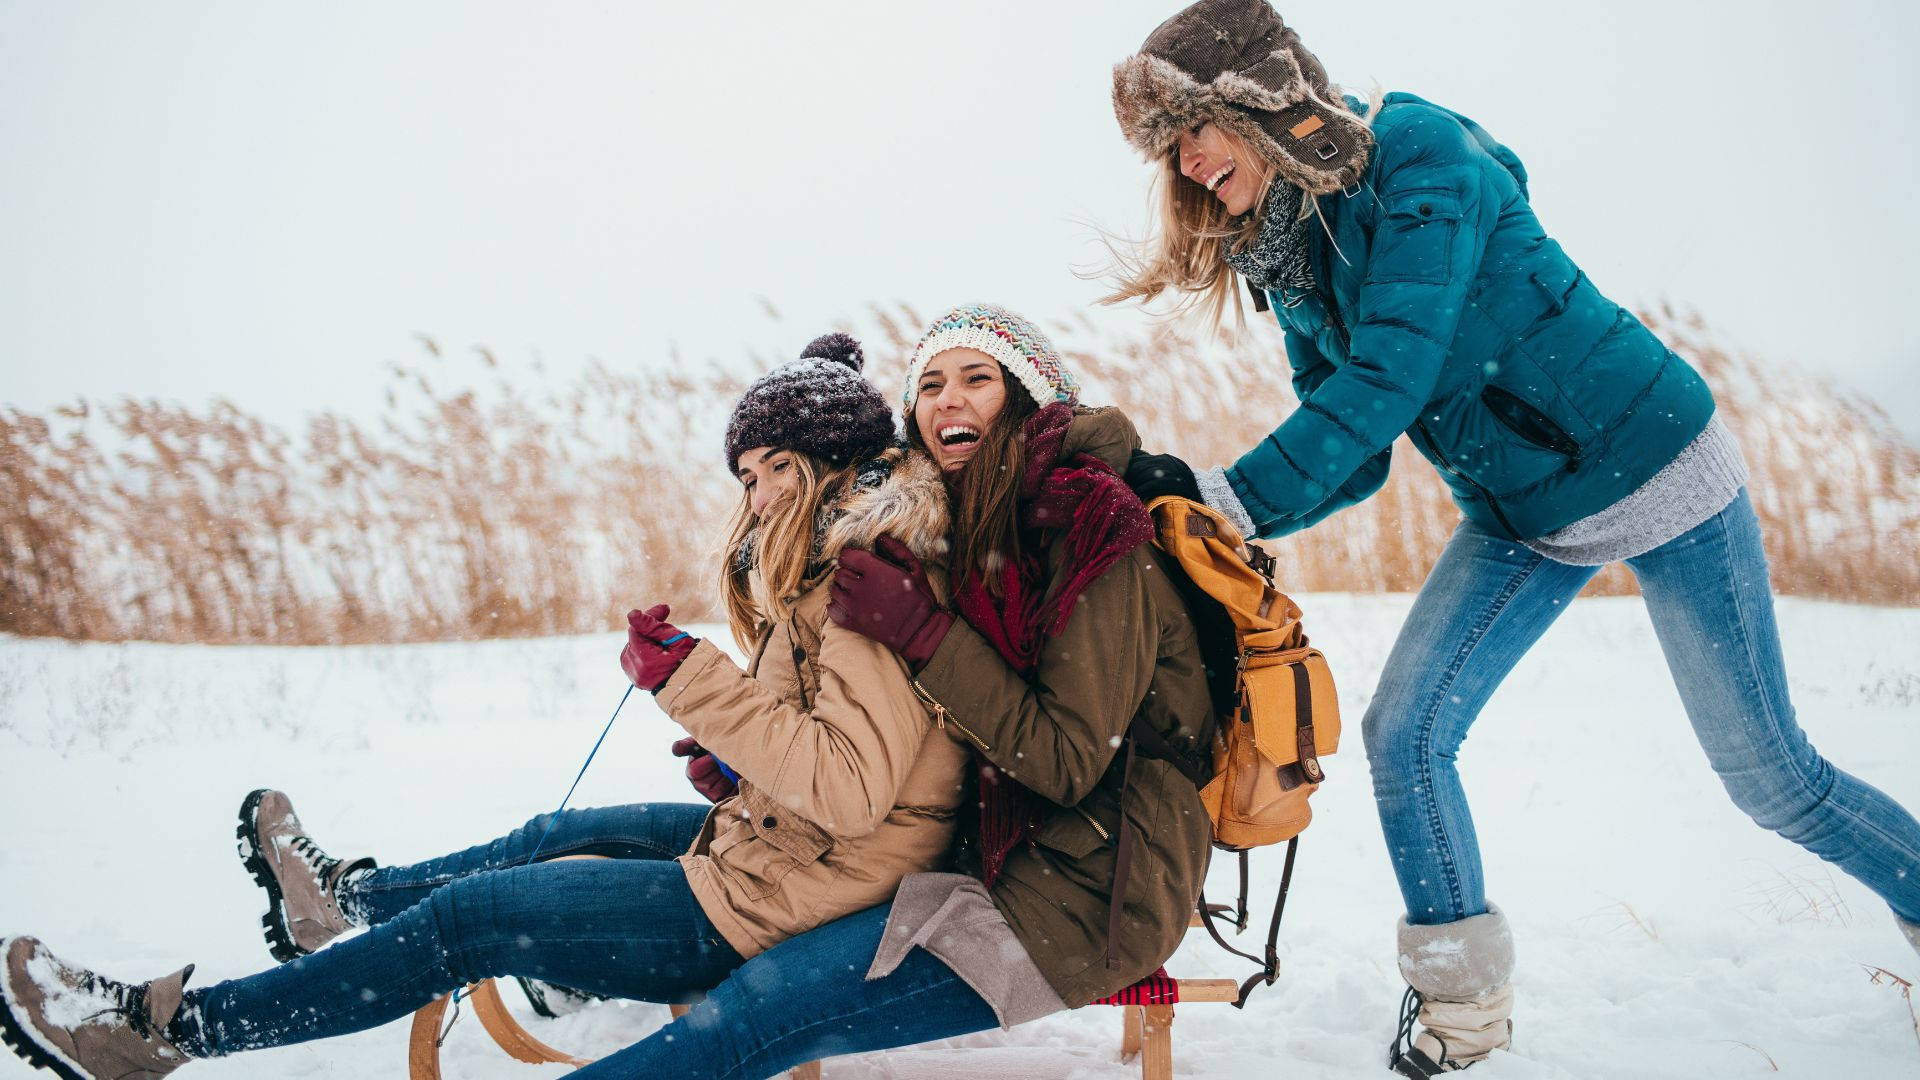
x=1220, y=177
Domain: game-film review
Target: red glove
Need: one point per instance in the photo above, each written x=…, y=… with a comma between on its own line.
x=885, y=595
x=703, y=770
x=654, y=649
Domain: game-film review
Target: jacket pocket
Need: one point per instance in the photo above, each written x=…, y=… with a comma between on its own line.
x=1415, y=241
x=772, y=845
x=1531, y=424
x=1071, y=833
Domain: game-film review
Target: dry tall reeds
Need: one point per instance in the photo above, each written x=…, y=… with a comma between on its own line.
x=476, y=506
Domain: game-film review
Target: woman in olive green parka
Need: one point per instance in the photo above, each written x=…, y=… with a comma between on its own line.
x=1067, y=629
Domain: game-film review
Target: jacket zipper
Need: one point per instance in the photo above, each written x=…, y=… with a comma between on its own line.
x=1492, y=503
x=941, y=717
x=1105, y=836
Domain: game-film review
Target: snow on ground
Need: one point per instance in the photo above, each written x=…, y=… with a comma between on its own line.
x=1660, y=933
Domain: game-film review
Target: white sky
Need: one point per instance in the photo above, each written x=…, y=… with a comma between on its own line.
x=266, y=200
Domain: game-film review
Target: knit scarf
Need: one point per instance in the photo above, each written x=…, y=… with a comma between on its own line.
x=1085, y=508
x=1277, y=260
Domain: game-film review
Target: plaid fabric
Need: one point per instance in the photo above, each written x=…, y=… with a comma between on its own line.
x=1158, y=988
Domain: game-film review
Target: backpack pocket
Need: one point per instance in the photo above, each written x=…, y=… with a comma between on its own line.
x=1269, y=764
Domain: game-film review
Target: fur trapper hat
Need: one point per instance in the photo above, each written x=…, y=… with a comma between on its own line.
x=1233, y=62
x=819, y=404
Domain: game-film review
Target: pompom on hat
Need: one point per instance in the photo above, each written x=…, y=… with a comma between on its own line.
x=1236, y=64
x=819, y=405
x=1022, y=348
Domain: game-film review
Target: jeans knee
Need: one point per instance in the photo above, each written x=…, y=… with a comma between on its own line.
x=1780, y=797
x=1385, y=727
x=1397, y=730
x=470, y=924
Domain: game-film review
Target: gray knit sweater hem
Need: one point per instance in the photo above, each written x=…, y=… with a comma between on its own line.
x=1697, y=484
x=1217, y=492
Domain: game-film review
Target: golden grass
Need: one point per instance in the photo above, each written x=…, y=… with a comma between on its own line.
x=475, y=506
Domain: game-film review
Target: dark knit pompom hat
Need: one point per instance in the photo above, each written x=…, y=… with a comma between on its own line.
x=1234, y=63
x=819, y=404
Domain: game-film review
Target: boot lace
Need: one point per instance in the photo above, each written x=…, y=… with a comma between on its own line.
x=1409, y=1020
x=317, y=861
x=128, y=1001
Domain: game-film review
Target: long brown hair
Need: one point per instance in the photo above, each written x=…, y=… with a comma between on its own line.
x=1186, y=250
x=983, y=496
x=782, y=547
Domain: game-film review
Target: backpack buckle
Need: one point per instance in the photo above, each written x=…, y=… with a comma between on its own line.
x=1262, y=562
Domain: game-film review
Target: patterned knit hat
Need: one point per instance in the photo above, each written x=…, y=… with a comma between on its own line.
x=1022, y=348
x=819, y=404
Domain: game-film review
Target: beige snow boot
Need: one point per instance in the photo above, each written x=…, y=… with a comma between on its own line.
x=82, y=1025
x=1459, y=1003
x=303, y=907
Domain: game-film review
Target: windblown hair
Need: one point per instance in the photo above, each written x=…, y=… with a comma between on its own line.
x=984, y=495
x=779, y=547
x=1185, y=251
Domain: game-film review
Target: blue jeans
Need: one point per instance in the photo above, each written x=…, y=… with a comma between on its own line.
x=627, y=926
x=1485, y=604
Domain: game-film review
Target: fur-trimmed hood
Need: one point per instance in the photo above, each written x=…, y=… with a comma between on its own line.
x=910, y=504
x=1236, y=64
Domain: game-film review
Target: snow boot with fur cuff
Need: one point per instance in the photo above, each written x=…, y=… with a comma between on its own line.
x=1459, y=1003
x=85, y=1026
x=303, y=907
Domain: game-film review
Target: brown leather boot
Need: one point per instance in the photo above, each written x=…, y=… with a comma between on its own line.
x=85, y=1026
x=303, y=911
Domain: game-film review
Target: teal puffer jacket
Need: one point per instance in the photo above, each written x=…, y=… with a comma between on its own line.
x=1444, y=311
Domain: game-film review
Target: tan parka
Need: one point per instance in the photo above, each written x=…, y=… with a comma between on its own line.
x=1129, y=649
x=847, y=783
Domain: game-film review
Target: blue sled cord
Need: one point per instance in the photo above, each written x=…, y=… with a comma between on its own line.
x=583, y=772
x=461, y=993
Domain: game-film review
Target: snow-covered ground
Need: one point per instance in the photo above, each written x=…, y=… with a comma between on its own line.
x=1660, y=933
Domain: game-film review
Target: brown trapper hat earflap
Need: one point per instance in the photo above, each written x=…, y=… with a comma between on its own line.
x=1233, y=62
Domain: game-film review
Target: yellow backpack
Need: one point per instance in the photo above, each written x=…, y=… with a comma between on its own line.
x=1276, y=711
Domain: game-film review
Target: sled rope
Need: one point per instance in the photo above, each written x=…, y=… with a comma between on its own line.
x=582, y=772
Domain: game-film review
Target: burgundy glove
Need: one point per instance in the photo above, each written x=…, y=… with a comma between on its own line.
x=704, y=771
x=654, y=649
x=885, y=595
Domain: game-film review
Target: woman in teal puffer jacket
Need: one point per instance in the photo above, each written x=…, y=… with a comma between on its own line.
x=1419, y=295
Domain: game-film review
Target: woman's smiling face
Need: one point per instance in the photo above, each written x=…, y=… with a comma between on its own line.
x=770, y=477
x=1223, y=165
x=960, y=395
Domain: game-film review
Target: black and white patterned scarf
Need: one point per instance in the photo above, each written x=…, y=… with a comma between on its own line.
x=1277, y=261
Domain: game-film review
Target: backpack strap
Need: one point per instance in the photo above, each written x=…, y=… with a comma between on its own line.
x=1270, y=964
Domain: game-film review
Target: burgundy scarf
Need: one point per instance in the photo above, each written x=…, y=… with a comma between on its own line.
x=1102, y=521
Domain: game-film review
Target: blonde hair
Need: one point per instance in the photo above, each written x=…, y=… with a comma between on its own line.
x=1187, y=249
x=782, y=547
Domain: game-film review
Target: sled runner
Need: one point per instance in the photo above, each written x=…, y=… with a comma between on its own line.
x=1147, y=1025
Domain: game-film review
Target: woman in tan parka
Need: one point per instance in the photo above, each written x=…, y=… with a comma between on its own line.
x=846, y=784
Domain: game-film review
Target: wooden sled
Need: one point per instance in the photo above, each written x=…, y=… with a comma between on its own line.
x=1146, y=1032
x=423, y=1051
